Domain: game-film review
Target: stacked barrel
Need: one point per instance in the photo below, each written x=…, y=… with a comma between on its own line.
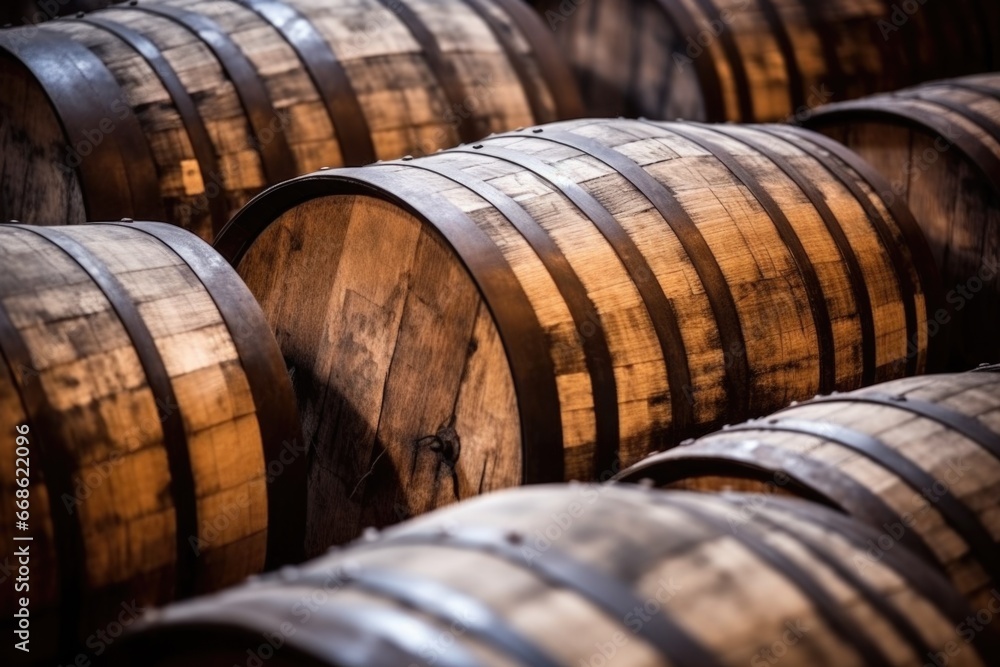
x=440, y=272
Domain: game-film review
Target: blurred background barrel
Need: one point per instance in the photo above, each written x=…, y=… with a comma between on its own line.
x=761, y=60
x=24, y=12
x=584, y=575
x=918, y=458
x=938, y=146
x=159, y=427
x=546, y=304
x=181, y=110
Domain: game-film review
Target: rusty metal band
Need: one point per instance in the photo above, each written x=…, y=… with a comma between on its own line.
x=873, y=597
x=917, y=572
x=661, y=311
x=706, y=265
x=452, y=607
x=118, y=177
x=968, y=427
x=517, y=61
x=807, y=478
x=59, y=466
x=836, y=616
x=443, y=69
x=270, y=388
x=956, y=514
x=736, y=62
x=175, y=437
x=708, y=76
x=551, y=62
x=828, y=36
x=779, y=31
x=597, y=354
x=908, y=284
x=806, y=269
x=194, y=125
x=855, y=274
x=524, y=340
x=328, y=75
x=276, y=154
x=984, y=122
x=562, y=570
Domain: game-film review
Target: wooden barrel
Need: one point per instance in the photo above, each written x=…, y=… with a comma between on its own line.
x=24, y=12
x=938, y=146
x=546, y=303
x=917, y=458
x=182, y=110
x=586, y=575
x=762, y=60
x=144, y=400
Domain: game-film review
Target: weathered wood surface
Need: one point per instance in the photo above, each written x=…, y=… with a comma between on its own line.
x=587, y=575
x=938, y=146
x=917, y=458
x=547, y=304
x=764, y=60
x=158, y=411
x=182, y=110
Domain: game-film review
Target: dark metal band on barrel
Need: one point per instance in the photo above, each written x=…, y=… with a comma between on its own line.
x=706, y=265
x=276, y=154
x=444, y=70
x=855, y=274
x=118, y=177
x=562, y=570
x=277, y=415
x=807, y=271
x=956, y=514
x=597, y=355
x=839, y=620
x=175, y=438
x=194, y=125
x=661, y=312
x=327, y=74
x=908, y=284
x=523, y=339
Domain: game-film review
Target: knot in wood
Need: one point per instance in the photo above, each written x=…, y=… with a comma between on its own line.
x=445, y=443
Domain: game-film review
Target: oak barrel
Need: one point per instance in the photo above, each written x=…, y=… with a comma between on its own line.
x=546, y=303
x=918, y=458
x=145, y=403
x=764, y=60
x=586, y=575
x=938, y=146
x=182, y=110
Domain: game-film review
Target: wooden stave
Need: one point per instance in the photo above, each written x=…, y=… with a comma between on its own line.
x=541, y=63
x=559, y=566
x=240, y=235
x=923, y=49
x=912, y=110
x=693, y=463
x=58, y=625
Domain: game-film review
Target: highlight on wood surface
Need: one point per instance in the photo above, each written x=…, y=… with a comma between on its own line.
x=918, y=459
x=155, y=418
x=762, y=60
x=587, y=575
x=938, y=146
x=547, y=304
x=182, y=110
